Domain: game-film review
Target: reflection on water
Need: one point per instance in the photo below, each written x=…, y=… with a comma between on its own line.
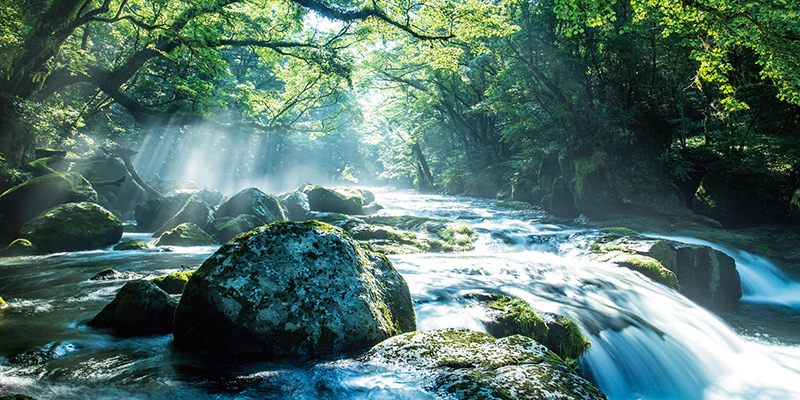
x=648, y=341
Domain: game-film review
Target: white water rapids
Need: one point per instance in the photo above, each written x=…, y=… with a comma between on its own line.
x=648, y=341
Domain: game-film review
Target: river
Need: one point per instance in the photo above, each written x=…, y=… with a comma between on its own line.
x=648, y=342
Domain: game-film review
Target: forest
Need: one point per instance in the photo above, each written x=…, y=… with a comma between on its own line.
x=652, y=106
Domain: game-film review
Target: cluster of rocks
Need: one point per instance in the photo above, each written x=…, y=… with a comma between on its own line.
x=293, y=289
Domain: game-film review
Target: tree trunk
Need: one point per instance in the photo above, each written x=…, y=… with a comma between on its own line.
x=422, y=168
x=125, y=155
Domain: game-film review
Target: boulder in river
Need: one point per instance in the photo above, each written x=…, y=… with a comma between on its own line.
x=174, y=282
x=254, y=202
x=152, y=214
x=25, y=201
x=195, y=211
x=225, y=228
x=110, y=274
x=140, y=308
x=73, y=227
x=705, y=275
x=296, y=203
x=291, y=289
x=131, y=245
x=472, y=365
x=341, y=200
x=187, y=234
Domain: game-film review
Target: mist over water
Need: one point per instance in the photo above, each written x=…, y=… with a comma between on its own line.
x=228, y=161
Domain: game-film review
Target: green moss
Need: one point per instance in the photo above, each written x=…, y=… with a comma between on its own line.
x=3, y=304
x=19, y=247
x=173, y=283
x=185, y=235
x=73, y=226
x=519, y=318
x=619, y=230
x=574, y=344
x=649, y=267
x=131, y=245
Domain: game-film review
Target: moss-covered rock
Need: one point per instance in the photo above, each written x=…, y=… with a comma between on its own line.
x=173, y=283
x=3, y=304
x=472, y=365
x=19, y=247
x=27, y=200
x=185, y=235
x=703, y=274
x=341, y=200
x=131, y=245
x=224, y=229
x=291, y=288
x=514, y=204
x=140, y=308
x=73, y=227
x=515, y=317
x=253, y=202
x=195, y=211
x=152, y=214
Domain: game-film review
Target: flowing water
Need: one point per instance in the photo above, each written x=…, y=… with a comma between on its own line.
x=648, y=342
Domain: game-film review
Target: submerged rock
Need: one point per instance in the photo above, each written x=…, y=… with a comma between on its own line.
x=73, y=227
x=472, y=365
x=25, y=201
x=19, y=247
x=290, y=289
x=140, y=308
x=112, y=274
x=254, y=202
x=185, y=235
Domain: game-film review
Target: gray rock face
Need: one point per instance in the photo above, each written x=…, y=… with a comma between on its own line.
x=27, y=200
x=140, y=308
x=255, y=202
x=73, y=227
x=473, y=365
x=291, y=289
x=296, y=204
x=707, y=276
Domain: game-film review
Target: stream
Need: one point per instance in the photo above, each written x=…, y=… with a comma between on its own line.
x=648, y=341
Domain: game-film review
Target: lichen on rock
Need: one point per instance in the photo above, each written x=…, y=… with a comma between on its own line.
x=291, y=288
x=473, y=365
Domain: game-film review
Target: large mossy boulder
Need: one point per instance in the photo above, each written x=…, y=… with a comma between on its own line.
x=472, y=365
x=140, y=308
x=253, y=202
x=73, y=227
x=187, y=234
x=25, y=201
x=341, y=200
x=152, y=214
x=226, y=228
x=195, y=211
x=291, y=289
